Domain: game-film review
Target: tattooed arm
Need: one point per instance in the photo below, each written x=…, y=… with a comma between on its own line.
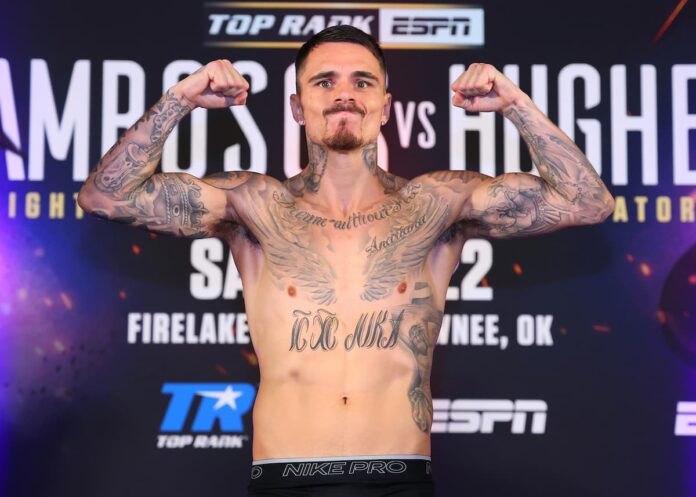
x=569, y=191
x=123, y=186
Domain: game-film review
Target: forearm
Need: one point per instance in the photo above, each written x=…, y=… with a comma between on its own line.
x=134, y=157
x=561, y=164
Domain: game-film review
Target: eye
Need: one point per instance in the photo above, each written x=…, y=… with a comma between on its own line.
x=361, y=83
x=324, y=83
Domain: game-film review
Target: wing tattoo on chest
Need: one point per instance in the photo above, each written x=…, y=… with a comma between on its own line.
x=287, y=243
x=413, y=232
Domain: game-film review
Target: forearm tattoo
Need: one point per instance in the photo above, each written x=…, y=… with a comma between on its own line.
x=569, y=192
x=134, y=157
x=163, y=203
x=559, y=161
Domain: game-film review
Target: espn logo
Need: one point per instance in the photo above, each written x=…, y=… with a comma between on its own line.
x=481, y=415
x=442, y=27
x=685, y=422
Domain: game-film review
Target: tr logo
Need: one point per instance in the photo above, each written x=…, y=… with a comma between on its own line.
x=224, y=402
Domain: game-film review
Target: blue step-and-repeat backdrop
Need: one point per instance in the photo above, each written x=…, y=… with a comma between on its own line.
x=566, y=363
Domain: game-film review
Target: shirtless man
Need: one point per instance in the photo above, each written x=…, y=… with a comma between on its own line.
x=351, y=263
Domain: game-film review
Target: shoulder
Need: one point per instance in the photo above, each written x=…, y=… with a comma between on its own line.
x=248, y=194
x=457, y=189
x=452, y=180
x=455, y=186
x=391, y=182
x=231, y=180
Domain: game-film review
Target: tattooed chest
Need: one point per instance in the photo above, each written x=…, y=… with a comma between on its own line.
x=397, y=339
x=411, y=319
x=364, y=254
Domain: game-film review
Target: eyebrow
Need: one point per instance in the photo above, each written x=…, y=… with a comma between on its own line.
x=365, y=74
x=354, y=74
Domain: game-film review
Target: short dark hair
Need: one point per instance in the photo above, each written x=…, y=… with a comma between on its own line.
x=342, y=33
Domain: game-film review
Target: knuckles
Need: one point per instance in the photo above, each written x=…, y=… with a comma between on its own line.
x=475, y=80
x=223, y=67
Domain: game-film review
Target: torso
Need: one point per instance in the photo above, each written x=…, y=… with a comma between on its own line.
x=344, y=316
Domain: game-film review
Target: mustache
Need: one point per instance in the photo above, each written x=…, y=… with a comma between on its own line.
x=350, y=107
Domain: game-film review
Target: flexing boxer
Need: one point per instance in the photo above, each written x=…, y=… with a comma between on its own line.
x=345, y=267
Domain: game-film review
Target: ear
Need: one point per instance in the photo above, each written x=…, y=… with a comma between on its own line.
x=386, y=110
x=296, y=108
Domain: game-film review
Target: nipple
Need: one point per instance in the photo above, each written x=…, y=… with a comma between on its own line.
x=291, y=291
x=402, y=287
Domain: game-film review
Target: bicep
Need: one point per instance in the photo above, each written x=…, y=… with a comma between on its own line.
x=516, y=205
x=170, y=203
x=456, y=187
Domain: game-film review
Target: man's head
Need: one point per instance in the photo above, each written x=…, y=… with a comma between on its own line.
x=341, y=88
x=343, y=33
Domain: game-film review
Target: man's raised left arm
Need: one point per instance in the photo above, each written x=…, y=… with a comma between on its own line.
x=569, y=191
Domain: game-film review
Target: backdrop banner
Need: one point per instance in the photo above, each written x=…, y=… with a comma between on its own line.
x=566, y=363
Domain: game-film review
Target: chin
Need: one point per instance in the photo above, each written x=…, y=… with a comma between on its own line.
x=343, y=143
x=343, y=140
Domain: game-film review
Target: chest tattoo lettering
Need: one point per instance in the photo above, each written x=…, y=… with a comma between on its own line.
x=376, y=329
x=355, y=220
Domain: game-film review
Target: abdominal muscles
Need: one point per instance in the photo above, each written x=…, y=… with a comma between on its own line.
x=338, y=402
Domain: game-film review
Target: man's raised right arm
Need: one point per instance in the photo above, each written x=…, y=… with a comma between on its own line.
x=124, y=187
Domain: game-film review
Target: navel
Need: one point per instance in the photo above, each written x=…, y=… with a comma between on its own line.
x=292, y=291
x=345, y=400
x=402, y=287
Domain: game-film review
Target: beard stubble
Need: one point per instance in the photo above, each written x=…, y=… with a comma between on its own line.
x=343, y=140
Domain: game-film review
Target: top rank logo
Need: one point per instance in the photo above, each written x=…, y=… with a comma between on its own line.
x=289, y=24
x=222, y=402
x=205, y=408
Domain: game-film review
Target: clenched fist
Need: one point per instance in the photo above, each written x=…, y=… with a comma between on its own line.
x=213, y=86
x=482, y=88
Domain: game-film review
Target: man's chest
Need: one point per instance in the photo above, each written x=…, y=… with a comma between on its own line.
x=371, y=250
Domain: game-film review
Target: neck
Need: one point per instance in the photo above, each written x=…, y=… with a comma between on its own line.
x=342, y=181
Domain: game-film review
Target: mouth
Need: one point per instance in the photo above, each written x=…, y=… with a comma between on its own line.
x=344, y=110
x=344, y=113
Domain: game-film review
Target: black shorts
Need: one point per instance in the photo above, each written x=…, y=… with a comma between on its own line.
x=360, y=476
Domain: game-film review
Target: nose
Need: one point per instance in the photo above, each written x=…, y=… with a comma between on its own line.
x=343, y=92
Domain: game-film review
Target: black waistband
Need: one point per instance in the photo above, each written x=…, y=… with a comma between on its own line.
x=275, y=473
